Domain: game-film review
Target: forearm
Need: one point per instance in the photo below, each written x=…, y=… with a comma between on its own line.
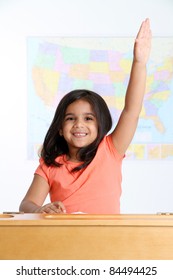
x=29, y=207
x=136, y=89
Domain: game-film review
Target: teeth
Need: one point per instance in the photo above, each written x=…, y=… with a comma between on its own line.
x=79, y=134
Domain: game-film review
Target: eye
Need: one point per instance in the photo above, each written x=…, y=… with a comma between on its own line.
x=69, y=119
x=88, y=118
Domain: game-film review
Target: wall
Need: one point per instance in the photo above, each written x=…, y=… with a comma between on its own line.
x=147, y=186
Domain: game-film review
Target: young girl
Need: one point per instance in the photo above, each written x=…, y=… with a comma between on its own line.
x=80, y=164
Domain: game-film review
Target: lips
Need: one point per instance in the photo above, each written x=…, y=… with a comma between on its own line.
x=79, y=134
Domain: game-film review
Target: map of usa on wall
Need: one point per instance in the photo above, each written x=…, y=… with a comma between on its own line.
x=59, y=65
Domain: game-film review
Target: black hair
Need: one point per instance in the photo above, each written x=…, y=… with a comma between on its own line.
x=55, y=145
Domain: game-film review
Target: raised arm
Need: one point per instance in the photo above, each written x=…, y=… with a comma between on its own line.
x=126, y=126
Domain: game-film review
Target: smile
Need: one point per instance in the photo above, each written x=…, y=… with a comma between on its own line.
x=79, y=134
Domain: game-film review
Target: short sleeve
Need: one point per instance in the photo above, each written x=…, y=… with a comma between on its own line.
x=43, y=170
x=112, y=148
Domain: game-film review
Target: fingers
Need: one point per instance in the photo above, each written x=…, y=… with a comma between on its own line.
x=142, y=44
x=144, y=31
x=60, y=206
x=52, y=208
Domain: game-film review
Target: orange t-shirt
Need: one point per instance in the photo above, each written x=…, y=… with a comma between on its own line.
x=93, y=190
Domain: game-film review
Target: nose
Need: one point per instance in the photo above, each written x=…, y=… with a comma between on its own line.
x=78, y=123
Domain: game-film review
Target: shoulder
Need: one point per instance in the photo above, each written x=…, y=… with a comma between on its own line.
x=43, y=167
x=107, y=146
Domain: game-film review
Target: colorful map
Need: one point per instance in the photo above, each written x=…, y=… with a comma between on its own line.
x=59, y=65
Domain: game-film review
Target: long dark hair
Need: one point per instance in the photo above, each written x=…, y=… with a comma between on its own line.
x=55, y=145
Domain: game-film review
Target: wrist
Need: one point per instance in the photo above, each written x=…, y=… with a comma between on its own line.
x=139, y=63
x=36, y=209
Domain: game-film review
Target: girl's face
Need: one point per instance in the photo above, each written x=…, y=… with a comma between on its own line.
x=79, y=127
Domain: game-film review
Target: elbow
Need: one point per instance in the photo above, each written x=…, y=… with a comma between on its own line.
x=21, y=208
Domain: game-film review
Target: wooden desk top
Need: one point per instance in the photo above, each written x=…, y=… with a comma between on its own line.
x=86, y=220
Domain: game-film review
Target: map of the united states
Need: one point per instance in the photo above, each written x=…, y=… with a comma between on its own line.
x=59, y=65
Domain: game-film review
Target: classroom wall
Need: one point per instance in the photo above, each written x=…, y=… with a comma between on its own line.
x=147, y=185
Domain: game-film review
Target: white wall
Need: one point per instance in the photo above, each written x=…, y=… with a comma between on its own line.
x=147, y=186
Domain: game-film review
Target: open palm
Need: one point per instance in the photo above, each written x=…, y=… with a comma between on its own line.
x=143, y=43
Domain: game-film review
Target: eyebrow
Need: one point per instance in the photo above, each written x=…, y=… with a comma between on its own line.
x=86, y=114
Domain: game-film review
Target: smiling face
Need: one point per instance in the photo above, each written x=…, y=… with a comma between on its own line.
x=79, y=127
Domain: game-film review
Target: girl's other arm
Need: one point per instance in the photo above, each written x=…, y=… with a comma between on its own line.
x=126, y=126
x=35, y=197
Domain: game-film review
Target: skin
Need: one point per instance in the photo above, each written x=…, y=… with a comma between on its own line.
x=80, y=126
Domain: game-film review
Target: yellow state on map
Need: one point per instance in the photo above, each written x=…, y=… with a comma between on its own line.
x=99, y=67
x=154, y=152
x=161, y=95
x=135, y=151
x=114, y=101
x=125, y=65
x=117, y=76
x=79, y=71
x=166, y=150
x=46, y=83
x=149, y=83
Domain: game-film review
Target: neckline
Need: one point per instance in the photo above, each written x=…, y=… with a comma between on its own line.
x=75, y=163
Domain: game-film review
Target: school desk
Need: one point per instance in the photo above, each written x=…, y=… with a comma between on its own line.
x=83, y=236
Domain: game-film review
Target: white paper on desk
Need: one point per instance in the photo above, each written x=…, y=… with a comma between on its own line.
x=78, y=213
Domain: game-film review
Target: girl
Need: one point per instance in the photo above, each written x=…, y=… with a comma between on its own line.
x=80, y=164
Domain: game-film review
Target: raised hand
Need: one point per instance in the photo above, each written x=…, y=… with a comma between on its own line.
x=143, y=43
